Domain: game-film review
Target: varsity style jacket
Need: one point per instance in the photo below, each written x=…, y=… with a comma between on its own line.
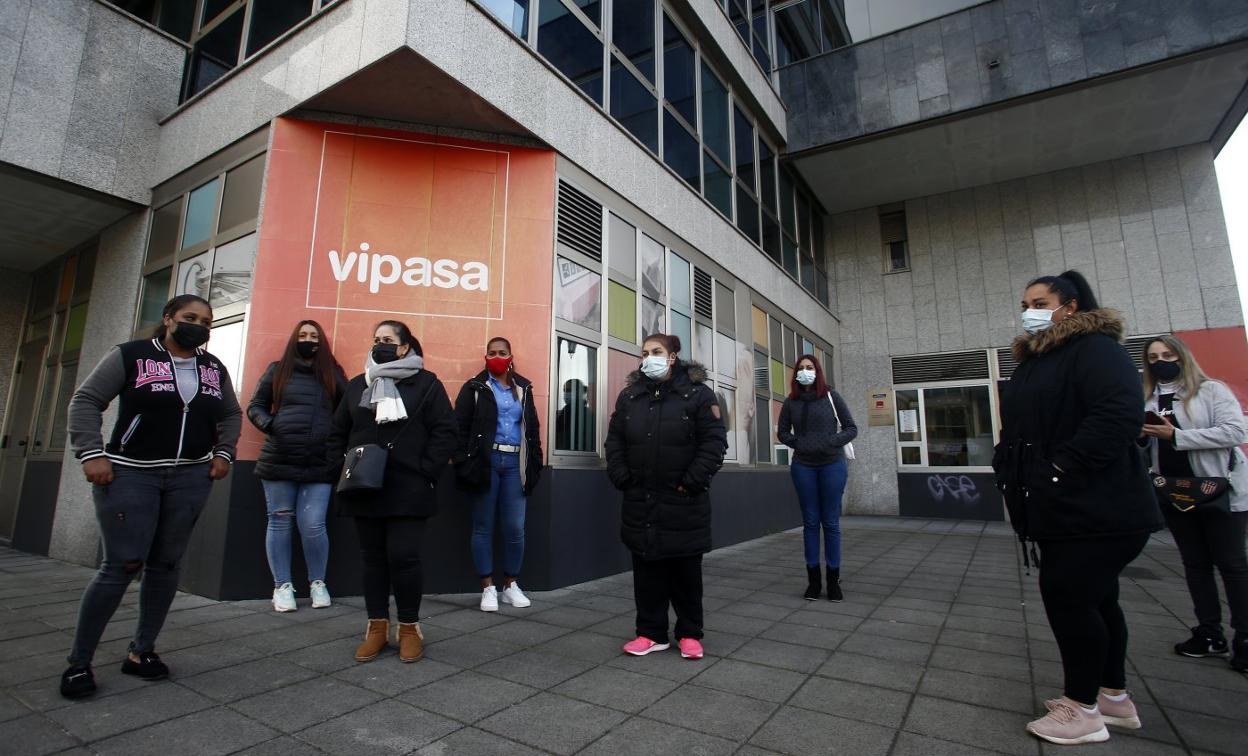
x=154, y=427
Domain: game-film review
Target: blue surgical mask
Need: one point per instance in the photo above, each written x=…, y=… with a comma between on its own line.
x=654, y=367
x=1035, y=321
x=805, y=377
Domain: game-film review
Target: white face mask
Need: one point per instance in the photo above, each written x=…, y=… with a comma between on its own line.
x=1035, y=321
x=806, y=377
x=654, y=367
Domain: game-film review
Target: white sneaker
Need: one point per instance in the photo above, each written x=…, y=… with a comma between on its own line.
x=489, y=599
x=320, y=595
x=284, y=598
x=514, y=596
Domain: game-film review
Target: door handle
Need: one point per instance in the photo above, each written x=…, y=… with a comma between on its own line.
x=22, y=442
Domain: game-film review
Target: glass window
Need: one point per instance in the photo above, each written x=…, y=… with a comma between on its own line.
x=725, y=309
x=767, y=175
x=714, y=114
x=758, y=324
x=271, y=19
x=762, y=43
x=653, y=318
x=195, y=276
x=725, y=352
x=155, y=295
x=622, y=254
x=743, y=136
x=808, y=273
x=776, y=330
x=200, y=209
x=739, y=17
x=680, y=151
x=790, y=256
x=578, y=294
x=791, y=341
x=898, y=256
x=704, y=345
x=808, y=346
x=513, y=13
x=679, y=82
x=833, y=36
x=777, y=376
x=571, y=47
x=797, y=32
x=216, y=53
x=634, y=106
x=177, y=19
x=231, y=271
x=212, y=9
x=771, y=237
x=681, y=325
x=632, y=31
x=959, y=426
x=227, y=346
x=803, y=222
x=60, y=412
x=680, y=282
x=908, y=419
x=163, y=240
x=788, y=218
x=747, y=214
x=240, y=202
x=621, y=312
x=591, y=8
x=727, y=399
x=717, y=184
x=762, y=429
x=652, y=279
x=574, y=418
x=74, y=328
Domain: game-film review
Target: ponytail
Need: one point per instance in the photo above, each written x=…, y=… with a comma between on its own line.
x=1070, y=285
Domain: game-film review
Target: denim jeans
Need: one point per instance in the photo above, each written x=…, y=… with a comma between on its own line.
x=146, y=516
x=504, y=500
x=306, y=504
x=819, y=492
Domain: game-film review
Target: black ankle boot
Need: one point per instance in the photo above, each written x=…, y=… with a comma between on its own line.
x=814, y=585
x=834, y=585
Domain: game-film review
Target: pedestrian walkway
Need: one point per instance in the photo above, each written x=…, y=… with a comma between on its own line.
x=940, y=645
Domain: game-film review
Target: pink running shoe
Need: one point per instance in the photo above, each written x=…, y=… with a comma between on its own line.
x=690, y=648
x=1118, y=713
x=641, y=645
x=1067, y=723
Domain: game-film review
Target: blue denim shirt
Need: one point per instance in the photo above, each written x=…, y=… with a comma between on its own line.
x=509, y=413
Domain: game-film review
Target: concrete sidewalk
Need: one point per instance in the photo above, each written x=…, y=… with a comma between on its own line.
x=941, y=647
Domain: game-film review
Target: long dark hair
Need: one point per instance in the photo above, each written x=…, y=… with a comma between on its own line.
x=820, y=385
x=404, y=333
x=324, y=367
x=173, y=307
x=1070, y=285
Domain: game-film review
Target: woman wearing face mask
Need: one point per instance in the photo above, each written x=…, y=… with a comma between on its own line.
x=816, y=424
x=1202, y=428
x=1075, y=484
x=294, y=407
x=402, y=407
x=500, y=459
x=178, y=421
x=664, y=443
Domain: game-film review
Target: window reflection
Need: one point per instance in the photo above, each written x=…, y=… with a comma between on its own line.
x=959, y=426
x=514, y=13
x=571, y=47
x=652, y=278
x=200, y=210
x=714, y=114
x=634, y=106
x=579, y=293
x=652, y=318
x=575, y=414
x=232, y=269
x=679, y=82
x=632, y=31
x=680, y=151
x=717, y=184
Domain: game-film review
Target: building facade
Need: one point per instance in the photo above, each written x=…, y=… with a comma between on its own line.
x=575, y=175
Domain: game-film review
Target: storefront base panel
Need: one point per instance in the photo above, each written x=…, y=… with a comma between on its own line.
x=32, y=531
x=957, y=496
x=572, y=534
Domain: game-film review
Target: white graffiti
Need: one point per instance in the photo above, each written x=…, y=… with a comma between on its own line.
x=958, y=487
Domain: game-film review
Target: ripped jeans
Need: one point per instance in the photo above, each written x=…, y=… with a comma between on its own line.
x=306, y=504
x=146, y=516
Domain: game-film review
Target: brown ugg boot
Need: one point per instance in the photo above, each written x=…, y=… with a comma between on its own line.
x=375, y=639
x=411, y=642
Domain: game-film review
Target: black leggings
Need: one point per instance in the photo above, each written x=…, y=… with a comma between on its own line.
x=390, y=549
x=1079, y=585
x=1206, y=540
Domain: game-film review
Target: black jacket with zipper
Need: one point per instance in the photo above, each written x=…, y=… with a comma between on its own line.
x=808, y=425
x=476, y=415
x=423, y=444
x=1067, y=464
x=297, y=430
x=664, y=443
x=154, y=427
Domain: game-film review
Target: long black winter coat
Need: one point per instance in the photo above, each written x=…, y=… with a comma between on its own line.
x=421, y=450
x=476, y=415
x=296, y=433
x=1068, y=465
x=664, y=436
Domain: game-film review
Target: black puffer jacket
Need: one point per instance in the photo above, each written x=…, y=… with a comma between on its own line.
x=420, y=453
x=1068, y=465
x=476, y=414
x=296, y=433
x=808, y=425
x=665, y=436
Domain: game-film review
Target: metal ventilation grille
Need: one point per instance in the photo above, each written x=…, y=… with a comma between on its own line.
x=578, y=221
x=1134, y=346
x=702, y=292
x=953, y=366
x=1006, y=363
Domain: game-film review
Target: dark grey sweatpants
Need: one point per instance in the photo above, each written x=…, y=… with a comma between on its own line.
x=146, y=516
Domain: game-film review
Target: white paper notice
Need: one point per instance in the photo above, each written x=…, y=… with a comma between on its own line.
x=908, y=421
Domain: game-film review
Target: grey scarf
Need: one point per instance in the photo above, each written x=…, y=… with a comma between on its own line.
x=381, y=394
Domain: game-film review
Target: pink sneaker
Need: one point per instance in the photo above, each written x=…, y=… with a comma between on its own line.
x=1068, y=723
x=690, y=648
x=641, y=645
x=1118, y=713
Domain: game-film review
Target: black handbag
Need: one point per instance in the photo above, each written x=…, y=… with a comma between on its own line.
x=364, y=469
x=1196, y=494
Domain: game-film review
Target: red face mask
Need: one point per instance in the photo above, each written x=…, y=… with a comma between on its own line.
x=497, y=365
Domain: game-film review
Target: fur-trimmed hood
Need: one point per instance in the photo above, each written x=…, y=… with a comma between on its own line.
x=695, y=372
x=1108, y=322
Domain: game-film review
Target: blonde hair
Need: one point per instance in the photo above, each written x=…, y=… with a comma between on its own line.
x=1191, y=376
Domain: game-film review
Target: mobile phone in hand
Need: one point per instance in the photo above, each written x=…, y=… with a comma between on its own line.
x=1152, y=418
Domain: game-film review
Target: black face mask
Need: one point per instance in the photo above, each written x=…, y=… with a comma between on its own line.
x=383, y=353
x=1165, y=371
x=189, y=335
x=306, y=349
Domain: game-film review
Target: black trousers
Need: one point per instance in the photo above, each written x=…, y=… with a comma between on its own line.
x=1079, y=585
x=390, y=549
x=662, y=582
x=1207, y=540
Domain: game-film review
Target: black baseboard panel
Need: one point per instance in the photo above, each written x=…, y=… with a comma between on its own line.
x=572, y=534
x=36, y=509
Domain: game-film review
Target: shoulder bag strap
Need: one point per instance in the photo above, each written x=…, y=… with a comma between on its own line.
x=410, y=416
x=835, y=414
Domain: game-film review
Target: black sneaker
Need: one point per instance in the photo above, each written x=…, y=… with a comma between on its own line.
x=1239, y=658
x=149, y=667
x=77, y=682
x=1202, y=643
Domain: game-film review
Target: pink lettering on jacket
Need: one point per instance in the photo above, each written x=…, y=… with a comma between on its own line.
x=152, y=371
x=210, y=377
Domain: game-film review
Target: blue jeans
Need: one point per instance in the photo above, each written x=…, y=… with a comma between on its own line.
x=146, y=516
x=504, y=500
x=819, y=491
x=307, y=502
